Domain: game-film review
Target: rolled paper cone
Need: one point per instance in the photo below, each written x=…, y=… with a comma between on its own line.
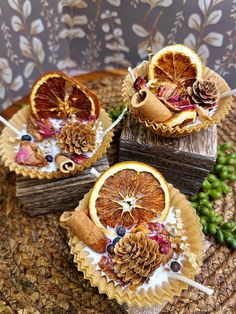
x=83, y=227
x=149, y=106
x=65, y=164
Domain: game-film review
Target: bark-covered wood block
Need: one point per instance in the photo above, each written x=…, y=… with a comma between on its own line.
x=46, y=196
x=184, y=162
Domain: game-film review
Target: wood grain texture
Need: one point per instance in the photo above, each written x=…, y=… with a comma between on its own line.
x=45, y=196
x=185, y=162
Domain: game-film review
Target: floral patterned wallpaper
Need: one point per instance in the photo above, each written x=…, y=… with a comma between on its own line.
x=85, y=35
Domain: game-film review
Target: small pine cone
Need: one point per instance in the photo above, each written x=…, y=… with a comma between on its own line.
x=204, y=92
x=77, y=138
x=136, y=258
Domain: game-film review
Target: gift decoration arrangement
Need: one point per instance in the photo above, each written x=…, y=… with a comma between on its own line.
x=134, y=236
x=62, y=131
x=174, y=94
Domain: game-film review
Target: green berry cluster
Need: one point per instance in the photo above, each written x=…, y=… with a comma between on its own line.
x=214, y=187
x=116, y=111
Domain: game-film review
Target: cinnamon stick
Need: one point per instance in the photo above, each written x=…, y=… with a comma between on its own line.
x=84, y=228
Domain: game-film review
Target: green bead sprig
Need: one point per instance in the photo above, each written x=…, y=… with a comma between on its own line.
x=116, y=111
x=215, y=186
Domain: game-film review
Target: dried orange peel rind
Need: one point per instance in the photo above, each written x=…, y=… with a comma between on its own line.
x=57, y=95
x=128, y=193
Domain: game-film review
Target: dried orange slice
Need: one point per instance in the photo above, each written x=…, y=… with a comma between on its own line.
x=176, y=64
x=57, y=95
x=129, y=193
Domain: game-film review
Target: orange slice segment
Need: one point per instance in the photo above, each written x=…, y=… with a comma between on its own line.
x=57, y=95
x=176, y=64
x=129, y=193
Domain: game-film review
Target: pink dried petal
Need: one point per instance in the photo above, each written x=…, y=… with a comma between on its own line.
x=140, y=82
x=24, y=155
x=30, y=154
x=79, y=159
x=91, y=118
x=45, y=128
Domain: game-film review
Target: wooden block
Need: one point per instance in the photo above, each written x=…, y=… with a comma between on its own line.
x=46, y=196
x=184, y=162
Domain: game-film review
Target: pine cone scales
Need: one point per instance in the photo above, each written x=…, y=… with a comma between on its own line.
x=77, y=138
x=204, y=92
x=136, y=258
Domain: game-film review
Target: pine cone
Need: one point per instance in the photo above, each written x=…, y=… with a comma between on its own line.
x=204, y=92
x=77, y=138
x=136, y=258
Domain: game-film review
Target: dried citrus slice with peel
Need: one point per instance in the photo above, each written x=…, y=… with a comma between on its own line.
x=176, y=64
x=129, y=193
x=57, y=95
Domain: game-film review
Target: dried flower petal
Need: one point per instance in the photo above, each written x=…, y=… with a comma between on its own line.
x=140, y=82
x=31, y=155
x=40, y=129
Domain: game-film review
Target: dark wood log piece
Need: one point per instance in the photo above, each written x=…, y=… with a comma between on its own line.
x=184, y=162
x=46, y=196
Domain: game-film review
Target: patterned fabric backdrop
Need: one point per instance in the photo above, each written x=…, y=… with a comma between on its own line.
x=86, y=35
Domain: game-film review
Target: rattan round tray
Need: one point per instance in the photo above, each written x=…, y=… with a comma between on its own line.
x=37, y=273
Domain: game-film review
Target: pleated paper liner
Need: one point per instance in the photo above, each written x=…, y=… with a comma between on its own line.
x=8, y=153
x=152, y=296
x=222, y=109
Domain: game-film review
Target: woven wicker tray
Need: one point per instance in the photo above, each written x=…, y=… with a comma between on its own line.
x=37, y=273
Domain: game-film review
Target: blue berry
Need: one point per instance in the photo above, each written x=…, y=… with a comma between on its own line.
x=116, y=240
x=49, y=158
x=175, y=266
x=26, y=137
x=120, y=230
x=110, y=248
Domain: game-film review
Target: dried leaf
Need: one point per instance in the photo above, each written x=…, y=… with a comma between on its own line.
x=156, y=3
x=72, y=33
x=80, y=20
x=190, y=41
x=2, y=90
x=204, y=53
x=116, y=3
x=17, y=83
x=66, y=63
x=204, y=5
x=140, y=30
x=26, y=9
x=17, y=24
x=14, y=4
x=214, y=17
x=194, y=21
x=158, y=41
x=214, y=39
x=142, y=49
x=25, y=47
x=80, y=4
x=38, y=49
x=36, y=27
x=28, y=70
x=6, y=71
